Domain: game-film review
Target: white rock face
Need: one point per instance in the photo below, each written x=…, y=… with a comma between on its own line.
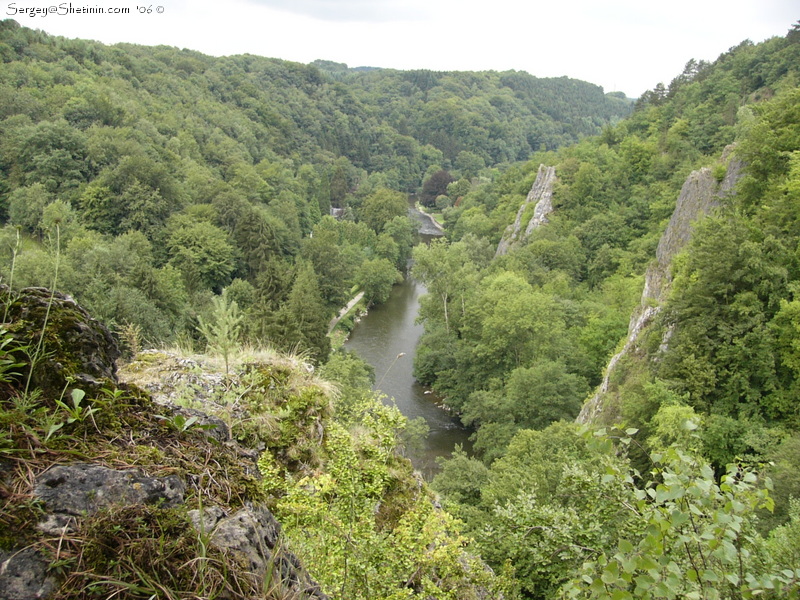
x=699, y=195
x=542, y=194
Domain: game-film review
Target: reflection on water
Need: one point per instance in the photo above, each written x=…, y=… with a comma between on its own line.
x=387, y=338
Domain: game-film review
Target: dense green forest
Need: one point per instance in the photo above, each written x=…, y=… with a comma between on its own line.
x=186, y=199
x=161, y=176
x=704, y=408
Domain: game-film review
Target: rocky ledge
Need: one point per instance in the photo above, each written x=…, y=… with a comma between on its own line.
x=105, y=493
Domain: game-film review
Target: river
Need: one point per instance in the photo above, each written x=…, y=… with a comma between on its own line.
x=387, y=332
x=387, y=339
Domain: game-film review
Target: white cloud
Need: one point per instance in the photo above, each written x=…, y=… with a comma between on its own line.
x=349, y=10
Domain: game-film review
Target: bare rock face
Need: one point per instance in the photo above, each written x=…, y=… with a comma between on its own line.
x=73, y=344
x=23, y=576
x=253, y=534
x=700, y=194
x=541, y=195
x=81, y=489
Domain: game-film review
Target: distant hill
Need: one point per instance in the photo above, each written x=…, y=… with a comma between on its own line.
x=222, y=167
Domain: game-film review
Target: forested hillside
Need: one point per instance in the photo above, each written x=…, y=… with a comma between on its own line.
x=187, y=199
x=491, y=117
x=154, y=178
x=702, y=411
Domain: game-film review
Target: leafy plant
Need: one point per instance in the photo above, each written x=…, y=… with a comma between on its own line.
x=7, y=361
x=695, y=537
x=74, y=410
x=182, y=423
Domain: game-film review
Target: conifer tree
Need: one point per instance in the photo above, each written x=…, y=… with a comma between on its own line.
x=223, y=329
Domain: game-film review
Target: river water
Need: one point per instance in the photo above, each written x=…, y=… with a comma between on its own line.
x=387, y=338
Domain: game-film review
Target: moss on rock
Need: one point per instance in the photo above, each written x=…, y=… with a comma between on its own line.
x=57, y=341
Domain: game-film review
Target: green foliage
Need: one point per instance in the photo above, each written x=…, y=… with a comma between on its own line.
x=350, y=507
x=376, y=278
x=694, y=538
x=353, y=377
x=223, y=328
x=726, y=294
x=674, y=424
x=226, y=165
x=404, y=549
x=26, y=206
x=676, y=531
x=781, y=469
x=162, y=177
x=301, y=323
x=723, y=344
x=783, y=545
x=532, y=398
x=202, y=253
x=400, y=236
x=511, y=324
x=460, y=480
x=536, y=506
x=381, y=206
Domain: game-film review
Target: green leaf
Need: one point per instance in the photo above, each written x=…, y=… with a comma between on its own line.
x=710, y=576
x=610, y=573
x=53, y=428
x=733, y=578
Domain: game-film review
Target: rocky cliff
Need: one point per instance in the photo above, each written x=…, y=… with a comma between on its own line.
x=104, y=493
x=541, y=198
x=166, y=478
x=700, y=193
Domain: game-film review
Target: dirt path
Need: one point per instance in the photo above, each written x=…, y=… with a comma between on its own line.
x=344, y=311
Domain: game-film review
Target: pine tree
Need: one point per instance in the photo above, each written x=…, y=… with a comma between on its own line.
x=223, y=329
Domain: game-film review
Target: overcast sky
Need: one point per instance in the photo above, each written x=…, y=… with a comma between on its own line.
x=623, y=45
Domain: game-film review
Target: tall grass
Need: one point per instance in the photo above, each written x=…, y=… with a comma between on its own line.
x=38, y=353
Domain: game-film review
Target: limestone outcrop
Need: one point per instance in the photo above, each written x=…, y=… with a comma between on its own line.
x=73, y=345
x=95, y=484
x=541, y=197
x=700, y=194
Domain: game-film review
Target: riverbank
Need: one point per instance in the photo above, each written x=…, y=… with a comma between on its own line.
x=342, y=313
x=387, y=338
x=428, y=225
x=341, y=325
